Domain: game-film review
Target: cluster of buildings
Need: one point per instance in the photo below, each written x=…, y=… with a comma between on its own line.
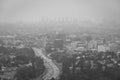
x=94, y=45
x=84, y=43
x=24, y=41
x=74, y=42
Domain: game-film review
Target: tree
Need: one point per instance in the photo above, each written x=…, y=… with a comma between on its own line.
x=25, y=73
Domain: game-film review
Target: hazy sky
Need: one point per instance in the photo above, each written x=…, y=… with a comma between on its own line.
x=57, y=10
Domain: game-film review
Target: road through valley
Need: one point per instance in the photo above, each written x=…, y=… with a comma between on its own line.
x=52, y=71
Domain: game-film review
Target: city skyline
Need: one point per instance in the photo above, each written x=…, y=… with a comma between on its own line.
x=29, y=11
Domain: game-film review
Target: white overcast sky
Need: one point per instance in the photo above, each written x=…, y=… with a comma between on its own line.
x=37, y=10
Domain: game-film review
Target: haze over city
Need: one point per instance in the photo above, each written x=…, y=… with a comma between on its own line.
x=65, y=11
x=59, y=39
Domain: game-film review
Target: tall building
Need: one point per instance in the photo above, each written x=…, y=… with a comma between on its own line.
x=58, y=43
x=88, y=38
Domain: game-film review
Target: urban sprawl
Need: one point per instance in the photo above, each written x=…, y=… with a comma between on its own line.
x=64, y=56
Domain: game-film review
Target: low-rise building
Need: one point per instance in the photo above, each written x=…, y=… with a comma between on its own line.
x=103, y=48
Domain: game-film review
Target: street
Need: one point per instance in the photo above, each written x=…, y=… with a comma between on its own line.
x=52, y=71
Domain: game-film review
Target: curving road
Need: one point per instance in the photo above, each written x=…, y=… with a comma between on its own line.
x=52, y=71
